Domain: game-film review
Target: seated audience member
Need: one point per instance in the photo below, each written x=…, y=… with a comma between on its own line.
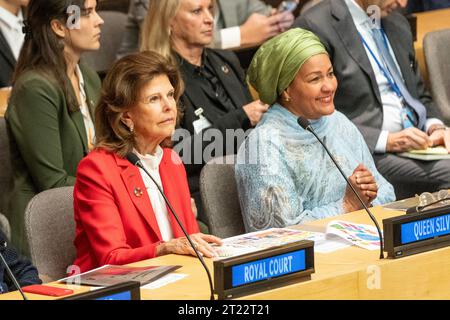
x=25, y=273
x=11, y=37
x=381, y=89
x=284, y=175
x=426, y=5
x=120, y=215
x=238, y=23
x=50, y=113
x=216, y=97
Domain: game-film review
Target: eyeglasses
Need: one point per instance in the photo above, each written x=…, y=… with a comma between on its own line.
x=428, y=199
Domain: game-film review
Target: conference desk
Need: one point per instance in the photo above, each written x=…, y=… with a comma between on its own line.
x=350, y=273
x=428, y=22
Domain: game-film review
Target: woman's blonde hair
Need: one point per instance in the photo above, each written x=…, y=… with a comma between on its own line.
x=121, y=92
x=156, y=32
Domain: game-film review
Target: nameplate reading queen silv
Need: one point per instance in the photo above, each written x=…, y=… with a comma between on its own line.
x=418, y=232
x=264, y=270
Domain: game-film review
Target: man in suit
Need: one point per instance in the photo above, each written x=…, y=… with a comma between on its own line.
x=11, y=37
x=381, y=89
x=238, y=23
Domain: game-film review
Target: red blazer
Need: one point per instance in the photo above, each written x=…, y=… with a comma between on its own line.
x=115, y=223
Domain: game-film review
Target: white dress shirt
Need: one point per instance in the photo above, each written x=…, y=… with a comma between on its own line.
x=151, y=164
x=11, y=28
x=392, y=103
x=87, y=119
x=229, y=37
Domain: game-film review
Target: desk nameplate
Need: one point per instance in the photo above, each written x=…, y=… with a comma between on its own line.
x=264, y=270
x=418, y=232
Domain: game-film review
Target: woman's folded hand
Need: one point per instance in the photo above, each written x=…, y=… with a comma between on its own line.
x=366, y=186
x=181, y=245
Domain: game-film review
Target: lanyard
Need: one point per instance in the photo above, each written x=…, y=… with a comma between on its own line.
x=386, y=73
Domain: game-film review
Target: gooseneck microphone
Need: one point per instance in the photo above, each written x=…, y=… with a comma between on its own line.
x=134, y=159
x=305, y=124
x=3, y=246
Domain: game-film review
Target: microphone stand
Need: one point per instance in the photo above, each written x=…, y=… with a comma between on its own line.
x=307, y=126
x=10, y=273
x=135, y=161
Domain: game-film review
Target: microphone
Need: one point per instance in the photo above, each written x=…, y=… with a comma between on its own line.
x=305, y=124
x=3, y=246
x=134, y=159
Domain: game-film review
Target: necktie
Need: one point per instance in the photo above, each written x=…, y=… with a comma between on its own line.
x=415, y=112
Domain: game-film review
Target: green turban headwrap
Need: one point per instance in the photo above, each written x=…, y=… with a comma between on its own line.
x=277, y=62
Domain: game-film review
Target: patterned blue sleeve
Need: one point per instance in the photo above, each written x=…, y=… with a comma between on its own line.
x=268, y=191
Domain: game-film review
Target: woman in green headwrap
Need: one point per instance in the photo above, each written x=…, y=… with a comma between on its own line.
x=283, y=174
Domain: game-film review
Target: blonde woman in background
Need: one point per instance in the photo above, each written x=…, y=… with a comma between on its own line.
x=216, y=95
x=237, y=23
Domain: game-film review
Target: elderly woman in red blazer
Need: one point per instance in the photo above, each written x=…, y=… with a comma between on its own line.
x=120, y=216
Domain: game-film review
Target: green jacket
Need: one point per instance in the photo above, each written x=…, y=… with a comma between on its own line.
x=47, y=142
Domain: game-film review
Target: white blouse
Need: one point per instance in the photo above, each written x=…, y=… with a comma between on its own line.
x=11, y=28
x=87, y=119
x=151, y=164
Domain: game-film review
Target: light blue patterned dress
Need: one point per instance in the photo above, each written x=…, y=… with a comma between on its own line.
x=284, y=176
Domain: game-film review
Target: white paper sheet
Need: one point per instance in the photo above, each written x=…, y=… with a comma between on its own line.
x=170, y=278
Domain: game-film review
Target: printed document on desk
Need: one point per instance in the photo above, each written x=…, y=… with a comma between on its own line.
x=361, y=235
x=109, y=275
x=260, y=240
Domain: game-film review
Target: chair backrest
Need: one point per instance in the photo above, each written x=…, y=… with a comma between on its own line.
x=5, y=166
x=4, y=226
x=111, y=38
x=220, y=198
x=436, y=47
x=50, y=229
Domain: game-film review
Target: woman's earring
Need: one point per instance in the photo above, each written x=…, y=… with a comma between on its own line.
x=287, y=99
x=132, y=128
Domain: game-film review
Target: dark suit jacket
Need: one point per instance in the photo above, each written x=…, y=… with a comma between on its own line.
x=358, y=96
x=235, y=85
x=194, y=98
x=426, y=5
x=21, y=267
x=47, y=142
x=7, y=62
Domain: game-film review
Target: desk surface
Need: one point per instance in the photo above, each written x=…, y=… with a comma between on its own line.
x=351, y=273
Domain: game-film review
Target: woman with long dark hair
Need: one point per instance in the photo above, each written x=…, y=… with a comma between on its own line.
x=50, y=113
